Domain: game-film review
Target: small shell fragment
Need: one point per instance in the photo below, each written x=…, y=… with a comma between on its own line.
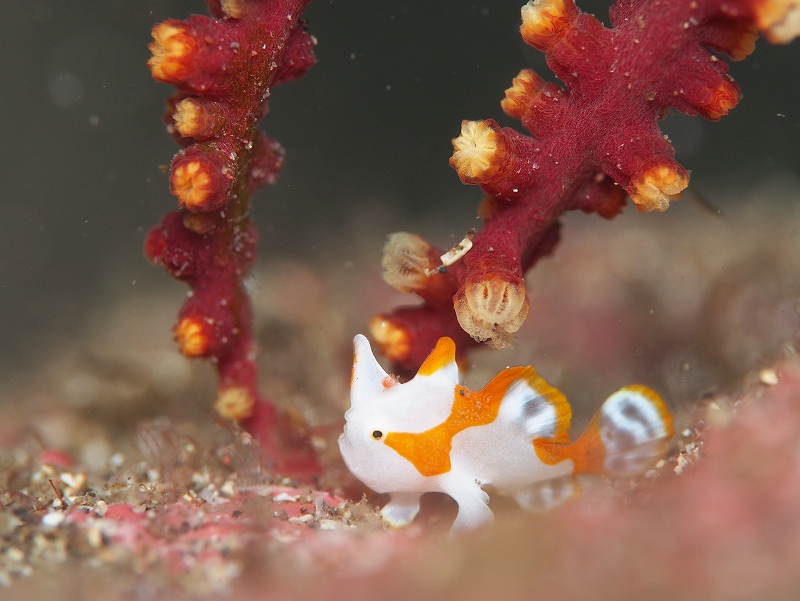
x=285, y=498
x=53, y=519
x=768, y=377
x=454, y=254
x=100, y=508
x=303, y=519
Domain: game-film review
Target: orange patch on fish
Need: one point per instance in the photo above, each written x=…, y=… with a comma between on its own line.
x=429, y=451
x=443, y=354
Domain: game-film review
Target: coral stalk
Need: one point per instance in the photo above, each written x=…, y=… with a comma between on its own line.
x=592, y=144
x=224, y=68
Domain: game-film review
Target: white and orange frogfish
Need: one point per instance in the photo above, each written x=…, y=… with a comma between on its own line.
x=431, y=434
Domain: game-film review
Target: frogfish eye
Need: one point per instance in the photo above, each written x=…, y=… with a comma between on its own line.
x=377, y=434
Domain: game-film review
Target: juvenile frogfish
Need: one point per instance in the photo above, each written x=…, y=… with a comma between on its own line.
x=431, y=434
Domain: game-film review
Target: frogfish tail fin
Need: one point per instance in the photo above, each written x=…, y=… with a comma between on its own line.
x=627, y=436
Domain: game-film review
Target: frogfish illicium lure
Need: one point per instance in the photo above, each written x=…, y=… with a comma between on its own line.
x=431, y=434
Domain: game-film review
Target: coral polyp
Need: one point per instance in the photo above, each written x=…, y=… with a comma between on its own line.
x=593, y=142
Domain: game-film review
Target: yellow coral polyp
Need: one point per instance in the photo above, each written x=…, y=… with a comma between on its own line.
x=172, y=49
x=745, y=42
x=492, y=309
x=191, y=118
x=192, y=183
x=655, y=187
x=392, y=340
x=200, y=223
x=234, y=404
x=233, y=9
x=723, y=99
x=191, y=334
x=544, y=22
x=479, y=151
x=406, y=262
x=778, y=20
x=524, y=89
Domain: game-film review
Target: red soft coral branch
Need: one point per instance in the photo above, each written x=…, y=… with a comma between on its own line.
x=224, y=68
x=593, y=143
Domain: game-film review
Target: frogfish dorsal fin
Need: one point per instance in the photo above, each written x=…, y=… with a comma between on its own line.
x=442, y=361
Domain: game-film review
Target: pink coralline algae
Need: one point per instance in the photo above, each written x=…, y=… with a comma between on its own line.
x=593, y=143
x=224, y=68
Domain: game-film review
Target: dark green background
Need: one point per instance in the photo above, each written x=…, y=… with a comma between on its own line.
x=370, y=124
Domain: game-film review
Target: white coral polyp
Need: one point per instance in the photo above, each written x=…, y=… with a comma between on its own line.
x=476, y=150
x=492, y=310
x=406, y=261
